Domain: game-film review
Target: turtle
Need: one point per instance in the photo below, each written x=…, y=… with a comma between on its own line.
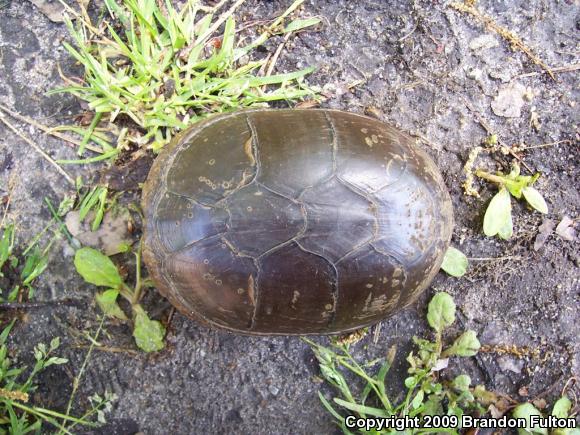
x=293, y=221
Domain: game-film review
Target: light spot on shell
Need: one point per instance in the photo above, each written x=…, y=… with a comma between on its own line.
x=211, y=162
x=251, y=291
x=369, y=141
x=249, y=151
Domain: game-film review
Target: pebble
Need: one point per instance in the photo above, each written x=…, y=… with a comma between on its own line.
x=483, y=42
x=509, y=101
x=509, y=364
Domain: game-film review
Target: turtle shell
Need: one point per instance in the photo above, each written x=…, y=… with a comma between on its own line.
x=293, y=221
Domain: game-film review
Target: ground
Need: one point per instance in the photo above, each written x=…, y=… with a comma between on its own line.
x=428, y=69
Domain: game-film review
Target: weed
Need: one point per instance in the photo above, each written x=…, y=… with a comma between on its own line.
x=498, y=216
x=454, y=262
x=96, y=268
x=16, y=416
x=20, y=270
x=425, y=395
x=159, y=68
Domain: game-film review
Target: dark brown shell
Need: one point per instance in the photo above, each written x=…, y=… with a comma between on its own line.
x=294, y=221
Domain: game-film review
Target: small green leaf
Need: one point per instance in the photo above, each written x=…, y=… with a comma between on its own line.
x=455, y=262
x=299, y=24
x=508, y=230
x=148, y=333
x=515, y=186
x=97, y=268
x=535, y=199
x=441, y=311
x=107, y=302
x=6, y=243
x=466, y=344
x=55, y=361
x=526, y=410
x=498, y=213
x=418, y=400
x=562, y=407
x=462, y=382
x=410, y=382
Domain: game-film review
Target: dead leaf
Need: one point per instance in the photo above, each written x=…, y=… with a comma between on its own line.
x=441, y=364
x=540, y=403
x=565, y=229
x=54, y=11
x=110, y=237
x=545, y=230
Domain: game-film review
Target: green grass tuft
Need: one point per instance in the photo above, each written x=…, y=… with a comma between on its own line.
x=164, y=69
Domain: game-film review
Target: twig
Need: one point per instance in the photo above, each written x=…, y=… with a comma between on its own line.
x=507, y=257
x=46, y=129
x=508, y=35
x=544, y=145
x=38, y=149
x=77, y=379
x=274, y=58
x=109, y=349
x=219, y=22
x=36, y=305
x=560, y=69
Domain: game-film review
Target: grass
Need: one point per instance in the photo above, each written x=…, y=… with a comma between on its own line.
x=153, y=70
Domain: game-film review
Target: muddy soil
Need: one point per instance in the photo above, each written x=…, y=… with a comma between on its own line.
x=430, y=70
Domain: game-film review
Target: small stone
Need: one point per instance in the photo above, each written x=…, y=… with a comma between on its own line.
x=273, y=390
x=565, y=229
x=502, y=74
x=483, y=42
x=509, y=101
x=544, y=232
x=509, y=364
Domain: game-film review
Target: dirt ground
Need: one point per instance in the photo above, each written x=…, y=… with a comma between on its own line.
x=430, y=70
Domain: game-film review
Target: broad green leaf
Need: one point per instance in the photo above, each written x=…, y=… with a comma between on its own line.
x=300, y=24
x=97, y=268
x=148, y=333
x=535, y=199
x=107, y=301
x=508, y=230
x=562, y=407
x=466, y=344
x=525, y=411
x=462, y=382
x=441, y=311
x=455, y=262
x=498, y=213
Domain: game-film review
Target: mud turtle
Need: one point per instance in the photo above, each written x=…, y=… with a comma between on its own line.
x=293, y=221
